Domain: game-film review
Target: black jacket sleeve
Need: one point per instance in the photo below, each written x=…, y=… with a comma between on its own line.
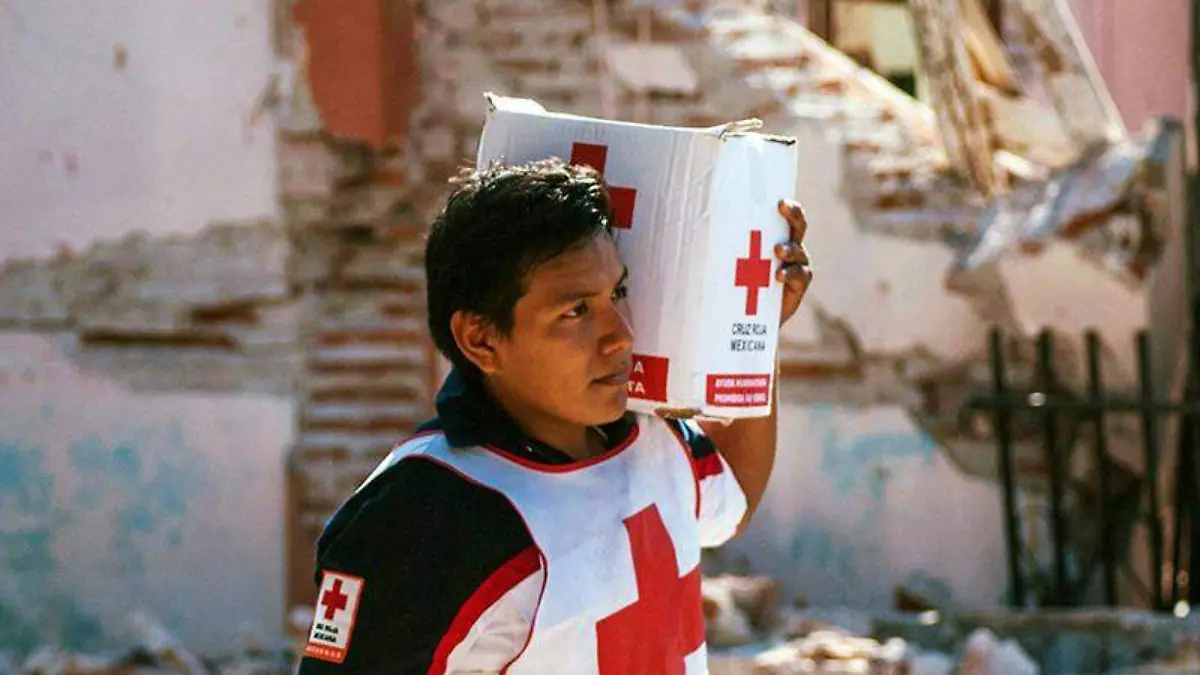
x=699, y=446
x=422, y=539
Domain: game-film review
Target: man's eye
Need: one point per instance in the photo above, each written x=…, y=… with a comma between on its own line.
x=577, y=311
x=621, y=292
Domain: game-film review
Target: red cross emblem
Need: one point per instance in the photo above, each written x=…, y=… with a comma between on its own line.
x=753, y=273
x=654, y=634
x=622, y=198
x=334, y=600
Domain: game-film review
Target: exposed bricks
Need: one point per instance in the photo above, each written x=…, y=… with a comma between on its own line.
x=527, y=65
x=370, y=412
x=749, y=64
x=366, y=336
x=359, y=445
x=900, y=199
x=315, y=456
x=361, y=394
x=147, y=340
x=244, y=313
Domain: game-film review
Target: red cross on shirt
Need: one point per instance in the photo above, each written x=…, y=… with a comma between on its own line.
x=622, y=198
x=753, y=273
x=665, y=624
x=334, y=600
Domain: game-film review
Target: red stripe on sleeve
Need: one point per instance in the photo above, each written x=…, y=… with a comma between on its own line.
x=709, y=465
x=504, y=579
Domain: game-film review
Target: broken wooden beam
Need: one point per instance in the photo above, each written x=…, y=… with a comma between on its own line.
x=970, y=147
x=986, y=48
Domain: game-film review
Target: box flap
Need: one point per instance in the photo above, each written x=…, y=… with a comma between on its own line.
x=512, y=104
x=735, y=127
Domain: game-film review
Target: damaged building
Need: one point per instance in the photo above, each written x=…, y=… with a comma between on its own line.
x=211, y=291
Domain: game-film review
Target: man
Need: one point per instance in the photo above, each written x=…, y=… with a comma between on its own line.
x=535, y=526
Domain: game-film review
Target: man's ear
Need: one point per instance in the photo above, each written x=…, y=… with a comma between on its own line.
x=476, y=338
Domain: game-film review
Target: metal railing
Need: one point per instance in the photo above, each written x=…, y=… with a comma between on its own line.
x=1061, y=416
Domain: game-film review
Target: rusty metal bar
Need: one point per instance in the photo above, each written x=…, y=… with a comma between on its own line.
x=1096, y=392
x=1054, y=465
x=1005, y=460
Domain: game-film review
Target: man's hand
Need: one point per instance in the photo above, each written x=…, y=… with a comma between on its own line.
x=748, y=445
x=796, y=271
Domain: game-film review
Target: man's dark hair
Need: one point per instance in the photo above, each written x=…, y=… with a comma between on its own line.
x=499, y=224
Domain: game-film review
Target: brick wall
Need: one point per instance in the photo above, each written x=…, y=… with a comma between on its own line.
x=367, y=369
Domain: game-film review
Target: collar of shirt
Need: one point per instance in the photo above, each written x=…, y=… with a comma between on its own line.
x=469, y=416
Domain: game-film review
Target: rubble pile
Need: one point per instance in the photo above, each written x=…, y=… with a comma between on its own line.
x=158, y=652
x=752, y=632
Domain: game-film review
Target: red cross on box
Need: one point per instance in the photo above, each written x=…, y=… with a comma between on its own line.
x=622, y=198
x=753, y=272
x=334, y=600
x=665, y=624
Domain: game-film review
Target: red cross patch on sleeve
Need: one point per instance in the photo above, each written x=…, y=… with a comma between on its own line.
x=337, y=605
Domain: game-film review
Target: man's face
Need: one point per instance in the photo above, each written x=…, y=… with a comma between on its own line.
x=567, y=359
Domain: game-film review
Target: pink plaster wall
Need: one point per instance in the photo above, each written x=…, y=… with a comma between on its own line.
x=1141, y=48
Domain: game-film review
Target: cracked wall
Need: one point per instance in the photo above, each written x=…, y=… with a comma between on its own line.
x=305, y=296
x=888, y=334
x=147, y=325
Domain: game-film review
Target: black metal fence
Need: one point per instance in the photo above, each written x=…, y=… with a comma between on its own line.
x=1091, y=518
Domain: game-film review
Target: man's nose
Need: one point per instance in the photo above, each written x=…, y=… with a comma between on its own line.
x=619, y=334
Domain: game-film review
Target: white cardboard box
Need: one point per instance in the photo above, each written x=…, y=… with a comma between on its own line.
x=696, y=225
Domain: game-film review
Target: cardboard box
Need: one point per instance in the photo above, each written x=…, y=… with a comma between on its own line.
x=696, y=223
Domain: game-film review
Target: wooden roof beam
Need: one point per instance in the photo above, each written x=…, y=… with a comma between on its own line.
x=962, y=119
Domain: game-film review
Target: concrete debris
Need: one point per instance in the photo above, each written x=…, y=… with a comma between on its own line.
x=158, y=652
x=985, y=654
x=834, y=652
x=948, y=641
x=810, y=641
x=749, y=633
x=797, y=623
x=930, y=663
x=164, y=646
x=1060, y=642
x=1069, y=205
x=735, y=607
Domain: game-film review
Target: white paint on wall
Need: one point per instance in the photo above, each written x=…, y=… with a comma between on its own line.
x=860, y=502
x=112, y=501
x=125, y=115
x=1141, y=50
x=117, y=117
x=890, y=290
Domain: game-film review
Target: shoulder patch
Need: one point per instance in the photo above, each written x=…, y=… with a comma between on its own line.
x=333, y=623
